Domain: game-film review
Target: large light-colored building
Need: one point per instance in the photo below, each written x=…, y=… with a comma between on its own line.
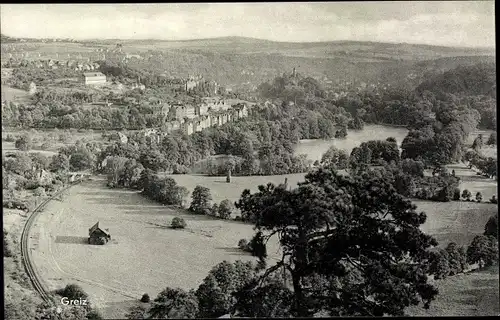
x=93, y=78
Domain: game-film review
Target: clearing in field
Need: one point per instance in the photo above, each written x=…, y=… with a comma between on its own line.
x=471, y=294
x=14, y=95
x=144, y=255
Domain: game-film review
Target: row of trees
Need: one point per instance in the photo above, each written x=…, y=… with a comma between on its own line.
x=201, y=203
x=26, y=73
x=128, y=173
x=58, y=115
x=407, y=174
x=454, y=259
x=258, y=147
x=219, y=294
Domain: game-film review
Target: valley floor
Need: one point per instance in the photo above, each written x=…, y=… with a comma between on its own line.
x=144, y=255
x=472, y=294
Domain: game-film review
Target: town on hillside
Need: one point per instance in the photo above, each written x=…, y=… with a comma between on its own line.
x=154, y=167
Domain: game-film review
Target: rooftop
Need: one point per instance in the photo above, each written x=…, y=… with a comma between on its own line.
x=96, y=227
x=93, y=74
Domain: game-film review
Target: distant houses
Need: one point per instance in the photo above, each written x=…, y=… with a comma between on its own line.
x=190, y=119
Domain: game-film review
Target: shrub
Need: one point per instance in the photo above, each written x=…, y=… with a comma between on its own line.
x=15, y=204
x=145, y=298
x=24, y=143
x=242, y=244
x=178, y=223
x=491, y=227
x=494, y=199
x=72, y=292
x=201, y=198
x=6, y=250
x=180, y=169
x=424, y=194
x=341, y=134
x=492, y=139
x=46, y=145
x=137, y=312
x=456, y=194
x=226, y=208
x=443, y=195
x=466, y=194
x=214, y=210
x=245, y=245
x=457, y=258
x=39, y=192
x=258, y=246
x=479, y=197
x=10, y=138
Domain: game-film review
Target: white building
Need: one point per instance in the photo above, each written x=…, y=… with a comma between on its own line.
x=93, y=78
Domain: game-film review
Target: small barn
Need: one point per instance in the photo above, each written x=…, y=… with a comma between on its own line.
x=98, y=235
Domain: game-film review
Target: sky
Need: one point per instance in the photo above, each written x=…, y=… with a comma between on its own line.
x=448, y=23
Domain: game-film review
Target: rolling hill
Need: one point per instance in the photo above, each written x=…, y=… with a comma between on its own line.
x=239, y=61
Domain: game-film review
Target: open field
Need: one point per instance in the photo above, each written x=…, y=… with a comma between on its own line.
x=489, y=151
x=316, y=148
x=474, y=183
x=221, y=190
x=8, y=147
x=473, y=135
x=454, y=221
x=13, y=94
x=472, y=294
x=143, y=256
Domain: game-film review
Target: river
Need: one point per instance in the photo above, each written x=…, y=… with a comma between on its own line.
x=315, y=148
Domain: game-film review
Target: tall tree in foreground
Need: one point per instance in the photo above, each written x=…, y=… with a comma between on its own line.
x=352, y=245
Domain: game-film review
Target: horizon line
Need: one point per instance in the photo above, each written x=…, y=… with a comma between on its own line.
x=251, y=38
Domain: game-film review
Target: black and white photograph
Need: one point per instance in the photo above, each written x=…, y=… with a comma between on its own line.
x=249, y=160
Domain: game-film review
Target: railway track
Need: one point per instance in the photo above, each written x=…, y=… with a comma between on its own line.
x=26, y=252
